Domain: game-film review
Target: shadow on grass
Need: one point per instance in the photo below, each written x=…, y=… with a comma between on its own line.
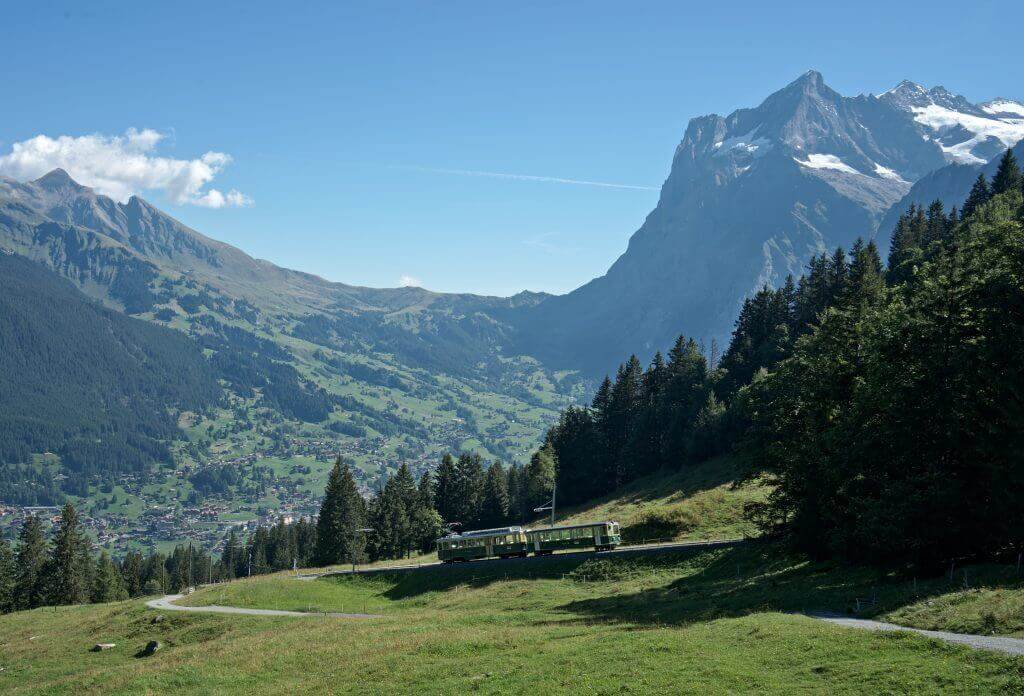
x=761, y=577
x=417, y=581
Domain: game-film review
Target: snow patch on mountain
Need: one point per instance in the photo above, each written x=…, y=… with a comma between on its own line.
x=820, y=161
x=743, y=144
x=944, y=121
x=1003, y=108
x=887, y=173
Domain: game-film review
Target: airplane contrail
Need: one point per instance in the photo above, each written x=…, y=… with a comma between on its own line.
x=528, y=177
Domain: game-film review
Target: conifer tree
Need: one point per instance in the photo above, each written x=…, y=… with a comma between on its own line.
x=623, y=409
x=1008, y=176
x=107, y=584
x=71, y=567
x=229, y=559
x=390, y=520
x=131, y=573
x=8, y=577
x=980, y=194
x=515, y=497
x=30, y=588
x=425, y=488
x=495, y=506
x=469, y=488
x=936, y=227
x=601, y=404
x=406, y=488
x=342, y=512
x=446, y=490
x=905, y=252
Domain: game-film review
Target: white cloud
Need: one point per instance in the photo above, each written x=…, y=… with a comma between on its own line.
x=122, y=165
x=407, y=281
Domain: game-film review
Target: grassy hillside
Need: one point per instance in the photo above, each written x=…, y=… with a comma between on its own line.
x=699, y=502
x=712, y=622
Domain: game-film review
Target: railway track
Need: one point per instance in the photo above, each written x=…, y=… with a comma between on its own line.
x=620, y=552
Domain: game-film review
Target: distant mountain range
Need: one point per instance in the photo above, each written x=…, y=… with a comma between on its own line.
x=752, y=196
x=308, y=368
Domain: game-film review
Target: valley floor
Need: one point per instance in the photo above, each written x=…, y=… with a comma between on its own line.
x=714, y=621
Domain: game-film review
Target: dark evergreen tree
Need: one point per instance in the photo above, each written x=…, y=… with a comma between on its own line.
x=230, y=558
x=495, y=507
x=686, y=389
x=469, y=488
x=131, y=573
x=30, y=588
x=391, y=524
x=108, y=585
x=446, y=491
x=1008, y=176
x=980, y=194
x=425, y=487
x=623, y=409
x=761, y=337
x=406, y=488
x=905, y=251
x=70, y=565
x=8, y=577
x=516, y=496
x=342, y=513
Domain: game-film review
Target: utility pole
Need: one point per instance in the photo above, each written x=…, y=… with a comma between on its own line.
x=550, y=506
x=554, y=491
x=190, y=564
x=250, y=563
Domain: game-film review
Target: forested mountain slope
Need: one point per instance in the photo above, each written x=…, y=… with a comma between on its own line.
x=86, y=382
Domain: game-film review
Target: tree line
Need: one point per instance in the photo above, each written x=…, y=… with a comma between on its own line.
x=62, y=569
x=882, y=402
x=407, y=515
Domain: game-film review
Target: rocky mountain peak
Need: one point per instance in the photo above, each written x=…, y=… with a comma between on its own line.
x=911, y=97
x=59, y=180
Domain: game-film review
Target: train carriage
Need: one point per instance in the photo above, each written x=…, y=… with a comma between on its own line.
x=504, y=542
x=507, y=542
x=597, y=535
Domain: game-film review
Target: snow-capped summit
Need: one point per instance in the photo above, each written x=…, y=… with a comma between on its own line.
x=908, y=96
x=966, y=133
x=752, y=195
x=1004, y=108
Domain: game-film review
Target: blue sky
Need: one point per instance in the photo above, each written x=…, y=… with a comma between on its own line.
x=350, y=126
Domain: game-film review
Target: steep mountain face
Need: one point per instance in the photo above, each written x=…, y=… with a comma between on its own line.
x=749, y=199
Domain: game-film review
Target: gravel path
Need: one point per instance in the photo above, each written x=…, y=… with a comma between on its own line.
x=167, y=602
x=1011, y=646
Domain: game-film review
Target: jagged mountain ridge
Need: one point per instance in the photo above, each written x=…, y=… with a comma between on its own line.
x=749, y=199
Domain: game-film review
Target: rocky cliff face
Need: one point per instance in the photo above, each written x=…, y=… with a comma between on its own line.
x=750, y=198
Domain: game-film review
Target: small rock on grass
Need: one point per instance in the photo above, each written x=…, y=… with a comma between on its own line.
x=151, y=647
x=100, y=647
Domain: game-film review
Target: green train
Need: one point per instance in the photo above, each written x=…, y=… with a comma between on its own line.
x=509, y=542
